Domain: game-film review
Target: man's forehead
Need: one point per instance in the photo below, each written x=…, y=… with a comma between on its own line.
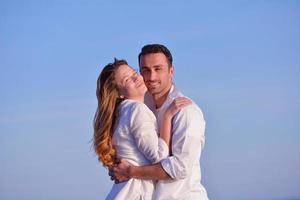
x=150, y=60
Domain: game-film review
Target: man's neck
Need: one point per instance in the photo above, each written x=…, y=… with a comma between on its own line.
x=160, y=98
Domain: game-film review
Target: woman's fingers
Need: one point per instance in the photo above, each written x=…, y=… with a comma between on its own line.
x=178, y=104
x=181, y=102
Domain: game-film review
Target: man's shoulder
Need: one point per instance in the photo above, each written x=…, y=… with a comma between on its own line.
x=189, y=121
x=175, y=92
x=190, y=111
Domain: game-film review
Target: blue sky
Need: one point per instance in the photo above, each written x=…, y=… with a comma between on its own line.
x=239, y=60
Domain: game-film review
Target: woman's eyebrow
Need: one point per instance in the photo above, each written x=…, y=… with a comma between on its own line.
x=127, y=75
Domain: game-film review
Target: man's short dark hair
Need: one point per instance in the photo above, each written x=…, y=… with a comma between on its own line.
x=156, y=48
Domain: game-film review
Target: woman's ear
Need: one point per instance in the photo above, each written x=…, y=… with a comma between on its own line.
x=121, y=96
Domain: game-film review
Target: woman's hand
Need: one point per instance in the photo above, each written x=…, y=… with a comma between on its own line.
x=176, y=105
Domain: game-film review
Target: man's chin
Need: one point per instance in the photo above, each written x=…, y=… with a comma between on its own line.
x=153, y=90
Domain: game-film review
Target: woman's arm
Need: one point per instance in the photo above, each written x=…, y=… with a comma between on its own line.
x=166, y=123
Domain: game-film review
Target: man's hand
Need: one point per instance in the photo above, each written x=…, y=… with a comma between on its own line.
x=120, y=172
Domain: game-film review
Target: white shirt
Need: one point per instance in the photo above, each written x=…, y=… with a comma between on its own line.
x=136, y=140
x=183, y=166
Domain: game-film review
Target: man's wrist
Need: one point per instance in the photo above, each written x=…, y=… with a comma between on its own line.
x=132, y=171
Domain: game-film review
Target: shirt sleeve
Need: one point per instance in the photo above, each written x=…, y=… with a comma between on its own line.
x=144, y=130
x=187, y=142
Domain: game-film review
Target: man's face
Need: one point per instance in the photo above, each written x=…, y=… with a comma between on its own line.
x=156, y=72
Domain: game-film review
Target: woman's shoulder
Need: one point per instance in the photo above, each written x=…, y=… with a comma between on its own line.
x=135, y=112
x=133, y=106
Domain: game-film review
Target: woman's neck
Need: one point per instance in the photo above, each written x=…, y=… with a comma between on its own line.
x=140, y=99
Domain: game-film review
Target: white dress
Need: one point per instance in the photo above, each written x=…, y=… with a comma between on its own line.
x=136, y=140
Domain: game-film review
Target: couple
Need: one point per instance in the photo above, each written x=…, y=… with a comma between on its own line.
x=159, y=144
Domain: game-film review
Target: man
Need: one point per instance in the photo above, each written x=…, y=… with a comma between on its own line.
x=179, y=175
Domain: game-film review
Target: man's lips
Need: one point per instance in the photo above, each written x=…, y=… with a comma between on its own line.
x=152, y=84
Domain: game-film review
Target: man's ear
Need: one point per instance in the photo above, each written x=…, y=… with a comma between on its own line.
x=172, y=70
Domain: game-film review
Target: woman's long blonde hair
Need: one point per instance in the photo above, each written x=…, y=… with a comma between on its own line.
x=107, y=113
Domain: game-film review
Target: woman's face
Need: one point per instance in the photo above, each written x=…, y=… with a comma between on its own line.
x=130, y=84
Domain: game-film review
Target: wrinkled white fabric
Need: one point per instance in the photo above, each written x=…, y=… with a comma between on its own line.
x=183, y=166
x=136, y=140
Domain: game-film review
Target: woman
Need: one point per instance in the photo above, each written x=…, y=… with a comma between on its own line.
x=124, y=127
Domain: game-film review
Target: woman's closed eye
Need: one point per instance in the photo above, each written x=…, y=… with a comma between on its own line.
x=133, y=77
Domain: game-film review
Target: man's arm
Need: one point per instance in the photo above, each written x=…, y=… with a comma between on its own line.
x=187, y=143
x=124, y=171
x=152, y=172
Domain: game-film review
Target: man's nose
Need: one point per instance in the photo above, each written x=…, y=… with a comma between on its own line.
x=152, y=75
